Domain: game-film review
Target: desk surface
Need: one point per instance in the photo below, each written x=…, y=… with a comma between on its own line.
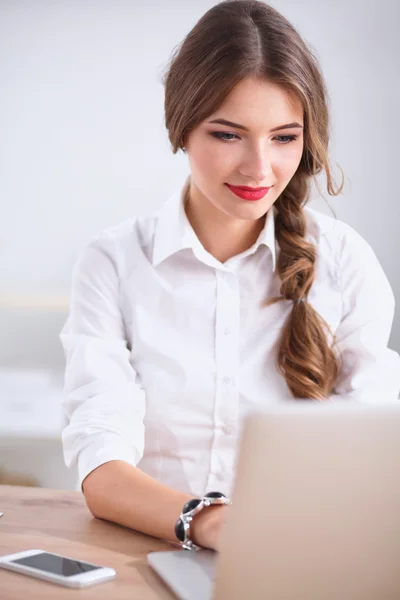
x=59, y=521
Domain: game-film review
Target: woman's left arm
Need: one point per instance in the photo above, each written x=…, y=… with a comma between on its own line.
x=370, y=369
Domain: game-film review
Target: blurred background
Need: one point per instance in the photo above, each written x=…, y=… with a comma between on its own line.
x=83, y=146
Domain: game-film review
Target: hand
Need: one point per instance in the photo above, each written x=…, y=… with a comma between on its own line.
x=207, y=525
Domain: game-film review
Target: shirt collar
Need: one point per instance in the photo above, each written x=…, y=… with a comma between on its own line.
x=173, y=231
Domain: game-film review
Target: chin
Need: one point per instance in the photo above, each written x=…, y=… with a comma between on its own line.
x=249, y=213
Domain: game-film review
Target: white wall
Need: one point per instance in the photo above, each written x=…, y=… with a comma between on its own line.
x=83, y=143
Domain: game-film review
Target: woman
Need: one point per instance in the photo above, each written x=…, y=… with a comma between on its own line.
x=226, y=300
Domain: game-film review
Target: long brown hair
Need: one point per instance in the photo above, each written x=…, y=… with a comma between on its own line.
x=234, y=40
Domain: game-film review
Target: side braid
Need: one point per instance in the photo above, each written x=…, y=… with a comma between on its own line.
x=304, y=358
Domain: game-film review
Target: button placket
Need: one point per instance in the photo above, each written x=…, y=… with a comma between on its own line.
x=227, y=364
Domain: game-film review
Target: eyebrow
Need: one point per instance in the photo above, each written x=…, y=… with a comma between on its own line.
x=238, y=126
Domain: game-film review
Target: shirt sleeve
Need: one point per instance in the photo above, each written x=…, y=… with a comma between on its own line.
x=370, y=369
x=103, y=400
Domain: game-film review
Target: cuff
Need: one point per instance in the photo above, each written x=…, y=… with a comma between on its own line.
x=100, y=452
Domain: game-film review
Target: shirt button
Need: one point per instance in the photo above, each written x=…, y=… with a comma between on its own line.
x=227, y=430
x=227, y=331
x=228, y=380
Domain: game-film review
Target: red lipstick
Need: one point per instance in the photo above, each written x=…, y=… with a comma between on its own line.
x=248, y=193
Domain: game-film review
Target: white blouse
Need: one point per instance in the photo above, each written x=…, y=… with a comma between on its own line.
x=167, y=348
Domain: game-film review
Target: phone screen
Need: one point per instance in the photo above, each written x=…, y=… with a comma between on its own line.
x=51, y=563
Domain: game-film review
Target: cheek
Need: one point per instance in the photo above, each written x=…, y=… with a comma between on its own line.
x=287, y=162
x=212, y=157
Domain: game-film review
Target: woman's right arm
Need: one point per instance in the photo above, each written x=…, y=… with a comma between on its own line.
x=119, y=492
x=105, y=406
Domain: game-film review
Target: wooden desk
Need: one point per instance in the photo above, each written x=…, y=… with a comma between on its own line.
x=59, y=521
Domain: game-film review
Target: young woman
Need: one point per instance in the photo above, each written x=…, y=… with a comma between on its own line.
x=234, y=296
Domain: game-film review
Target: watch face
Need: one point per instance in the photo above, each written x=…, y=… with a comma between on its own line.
x=214, y=495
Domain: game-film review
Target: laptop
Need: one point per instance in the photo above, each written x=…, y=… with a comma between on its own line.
x=315, y=510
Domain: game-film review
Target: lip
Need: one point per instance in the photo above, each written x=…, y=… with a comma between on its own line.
x=248, y=193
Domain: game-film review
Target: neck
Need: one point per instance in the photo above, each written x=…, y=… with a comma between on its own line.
x=221, y=235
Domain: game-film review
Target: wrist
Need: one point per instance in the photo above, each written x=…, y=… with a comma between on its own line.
x=205, y=527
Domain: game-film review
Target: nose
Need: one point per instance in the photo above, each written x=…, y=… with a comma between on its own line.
x=257, y=165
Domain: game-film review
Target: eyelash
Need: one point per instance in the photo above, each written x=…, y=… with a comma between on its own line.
x=219, y=134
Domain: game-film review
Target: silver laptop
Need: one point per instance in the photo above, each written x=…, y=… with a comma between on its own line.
x=315, y=510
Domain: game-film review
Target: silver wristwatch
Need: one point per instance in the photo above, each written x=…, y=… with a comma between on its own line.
x=192, y=508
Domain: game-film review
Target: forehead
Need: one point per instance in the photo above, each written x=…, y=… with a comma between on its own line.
x=260, y=103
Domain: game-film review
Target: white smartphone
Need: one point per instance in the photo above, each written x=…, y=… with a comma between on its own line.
x=56, y=568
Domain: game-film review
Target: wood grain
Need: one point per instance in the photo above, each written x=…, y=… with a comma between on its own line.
x=59, y=521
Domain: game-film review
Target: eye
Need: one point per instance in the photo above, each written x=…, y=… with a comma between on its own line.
x=288, y=138
x=219, y=135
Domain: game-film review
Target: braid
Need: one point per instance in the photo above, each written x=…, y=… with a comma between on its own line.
x=304, y=358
